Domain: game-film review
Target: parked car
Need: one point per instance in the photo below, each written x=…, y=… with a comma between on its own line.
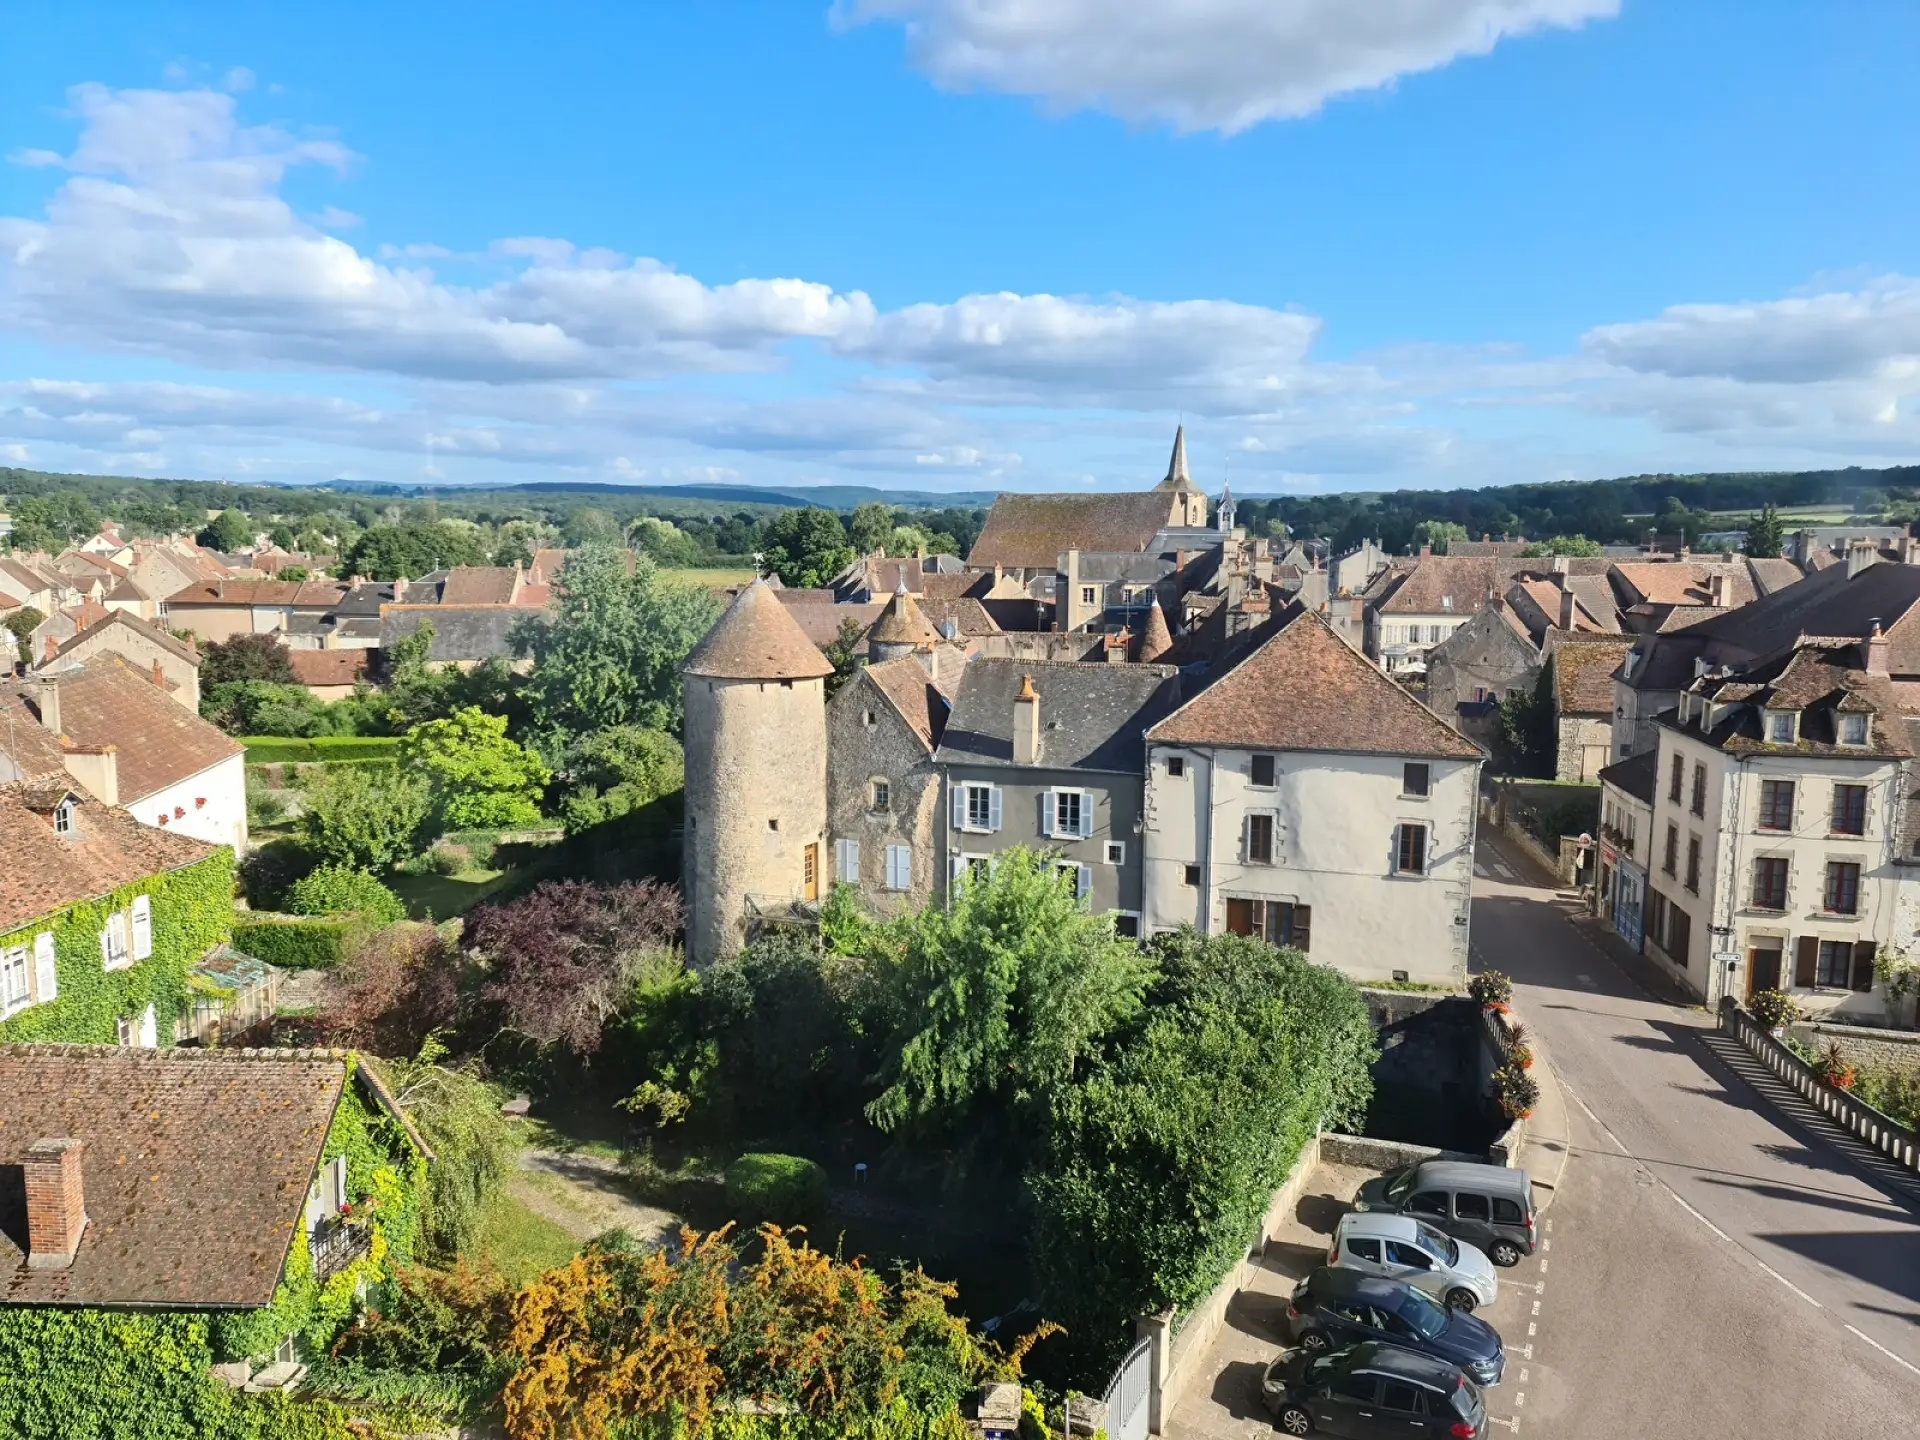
x=1489, y=1206
x=1372, y=1390
x=1403, y=1248
x=1334, y=1308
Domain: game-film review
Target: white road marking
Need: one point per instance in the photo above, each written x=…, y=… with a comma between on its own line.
x=1532, y=1329
x=1536, y=1307
x=1543, y=1266
x=1549, y=1227
x=1884, y=1350
x=1523, y=1376
x=1520, y=1400
x=1546, y=1244
x=1701, y=1218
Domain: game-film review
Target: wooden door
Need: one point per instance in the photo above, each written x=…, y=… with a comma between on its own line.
x=810, y=874
x=1763, y=969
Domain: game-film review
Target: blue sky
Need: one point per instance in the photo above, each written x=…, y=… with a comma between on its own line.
x=960, y=244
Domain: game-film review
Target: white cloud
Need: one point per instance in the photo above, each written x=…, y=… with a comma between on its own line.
x=239, y=78
x=1203, y=64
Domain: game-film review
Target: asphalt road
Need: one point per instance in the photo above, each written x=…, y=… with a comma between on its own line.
x=1716, y=1270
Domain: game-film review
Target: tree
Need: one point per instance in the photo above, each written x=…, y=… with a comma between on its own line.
x=1763, y=534
x=23, y=622
x=1440, y=534
x=336, y=890
x=227, y=532
x=392, y=995
x=870, y=527
x=458, y=1114
x=1526, y=741
x=616, y=771
x=246, y=657
x=391, y=552
x=806, y=548
x=842, y=653
x=481, y=780
x=416, y=692
x=611, y=653
x=563, y=957
x=366, y=817
x=52, y=522
x=591, y=527
x=282, y=536
x=1004, y=992
x=1577, y=545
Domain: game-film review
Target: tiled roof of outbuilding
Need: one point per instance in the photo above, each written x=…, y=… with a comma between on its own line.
x=327, y=667
x=1583, y=673
x=41, y=872
x=1307, y=689
x=757, y=639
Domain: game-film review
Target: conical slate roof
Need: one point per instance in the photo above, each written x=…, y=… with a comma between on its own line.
x=1156, y=639
x=1177, y=477
x=757, y=640
x=902, y=622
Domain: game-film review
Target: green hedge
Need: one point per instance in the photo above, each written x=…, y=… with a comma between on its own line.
x=785, y=1189
x=328, y=749
x=297, y=942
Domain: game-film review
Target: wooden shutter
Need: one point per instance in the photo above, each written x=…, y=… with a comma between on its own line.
x=1806, y=963
x=1049, y=811
x=142, y=927
x=1302, y=928
x=46, y=974
x=1239, y=917
x=993, y=809
x=1863, y=965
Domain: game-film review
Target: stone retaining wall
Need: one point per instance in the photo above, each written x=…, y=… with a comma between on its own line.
x=1862, y=1044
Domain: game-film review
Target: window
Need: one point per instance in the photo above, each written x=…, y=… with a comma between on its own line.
x=1769, y=884
x=1126, y=924
x=1673, y=849
x=1843, y=888
x=142, y=1030
x=1429, y=1202
x=1780, y=728
x=1507, y=1212
x=1410, y=850
x=1089, y=595
x=1260, y=839
x=1693, y=863
x=1472, y=1207
x=115, y=953
x=1679, y=773
x=866, y=719
x=1776, y=804
x=63, y=817
x=1836, y=964
x=13, y=979
x=1080, y=875
x=879, y=796
x=1261, y=774
x=1116, y=852
x=1072, y=814
x=1364, y=1250
x=1404, y=1398
x=899, y=867
x=1411, y=1256
x=1699, y=789
x=1176, y=766
x=1190, y=876
x=1853, y=729
x=1679, y=943
x=846, y=861
x=1278, y=922
x=1353, y=1387
x=976, y=807
x=1415, y=776
x=1849, y=809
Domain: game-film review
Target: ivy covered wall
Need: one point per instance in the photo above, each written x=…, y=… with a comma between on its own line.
x=192, y=912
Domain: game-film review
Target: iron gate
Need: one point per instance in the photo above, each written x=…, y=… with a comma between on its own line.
x=1127, y=1396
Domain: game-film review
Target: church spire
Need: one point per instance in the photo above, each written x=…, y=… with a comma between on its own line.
x=1177, y=477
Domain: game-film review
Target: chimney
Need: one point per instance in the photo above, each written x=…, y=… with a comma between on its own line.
x=1860, y=555
x=47, y=696
x=1026, y=724
x=1877, y=652
x=97, y=768
x=400, y=590
x=1567, y=604
x=1559, y=566
x=159, y=677
x=1717, y=589
x=56, y=1203
x=52, y=646
x=1426, y=552
x=1117, y=648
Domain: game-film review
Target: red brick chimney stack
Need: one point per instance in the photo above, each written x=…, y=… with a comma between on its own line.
x=56, y=1202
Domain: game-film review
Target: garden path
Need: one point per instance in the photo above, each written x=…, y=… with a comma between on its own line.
x=586, y=1195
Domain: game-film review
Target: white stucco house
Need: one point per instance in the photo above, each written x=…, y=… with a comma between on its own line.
x=1306, y=798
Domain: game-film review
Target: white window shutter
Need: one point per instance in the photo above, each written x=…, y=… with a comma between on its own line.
x=993, y=808
x=850, y=862
x=958, y=797
x=956, y=866
x=1082, y=881
x=1086, y=814
x=149, y=1029
x=337, y=1173
x=142, y=927
x=106, y=943
x=1049, y=810
x=46, y=974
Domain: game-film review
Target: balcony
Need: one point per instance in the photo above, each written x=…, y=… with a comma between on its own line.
x=764, y=911
x=336, y=1245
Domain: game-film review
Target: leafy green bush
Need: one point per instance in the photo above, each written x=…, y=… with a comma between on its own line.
x=366, y=818
x=331, y=749
x=340, y=890
x=786, y=1190
x=1892, y=1090
x=303, y=943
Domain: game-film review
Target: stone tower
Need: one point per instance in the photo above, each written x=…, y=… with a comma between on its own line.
x=756, y=743
x=1189, y=504
x=901, y=631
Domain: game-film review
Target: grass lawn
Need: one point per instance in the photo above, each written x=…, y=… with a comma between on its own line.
x=520, y=1244
x=446, y=895
x=709, y=577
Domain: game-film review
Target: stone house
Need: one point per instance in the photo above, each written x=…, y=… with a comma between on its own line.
x=144, y=646
x=1625, y=838
x=1582, y=668
x=1303, y=781
x=1485, y=661
x=221, y=609
x=883, y=789
x=1050, y=756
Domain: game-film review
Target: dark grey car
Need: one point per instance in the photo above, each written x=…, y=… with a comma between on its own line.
x=1488, y=1206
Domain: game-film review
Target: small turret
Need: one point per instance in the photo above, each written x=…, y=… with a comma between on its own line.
x=902, y=630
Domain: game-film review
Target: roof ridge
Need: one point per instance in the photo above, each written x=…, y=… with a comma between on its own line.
x=192, y=1053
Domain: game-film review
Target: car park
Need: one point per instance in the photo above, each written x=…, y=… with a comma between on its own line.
x=1401, y=1247
x=1372, y=1391
x=1334, y=1308
x=1488, y=1206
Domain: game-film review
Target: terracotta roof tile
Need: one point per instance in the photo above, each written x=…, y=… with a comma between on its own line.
x=757, y=639
x=327, y=667
x=1307, y=689
x=480, y=585
x=167, y=1134
x=1034, y=531
x=922, y=703
x=321, y=594
x=41, y=872
x=1583, y=673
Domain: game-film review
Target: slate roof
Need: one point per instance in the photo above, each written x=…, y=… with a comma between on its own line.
x=757, y=639
x=107, y=700
x=1583, y=673
x=1092, y=716
x=1306, y=689
x=1637, y=775
x=936, y=586
x=460, y=632
x=1829, y=603
x=920, y=701
x=969, y=616
x=1818, y=680
x=41, y=872
x=327, y=667
x=1034, y=531
x=195, y=1172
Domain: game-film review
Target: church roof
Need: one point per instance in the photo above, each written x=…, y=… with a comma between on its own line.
x=1177, y=477
x=757, y=639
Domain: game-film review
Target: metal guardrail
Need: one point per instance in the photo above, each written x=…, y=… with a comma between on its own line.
x=1873, y=1127
x=335, y=1246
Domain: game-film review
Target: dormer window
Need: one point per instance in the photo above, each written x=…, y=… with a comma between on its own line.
x=65, y=816
x=1782, y=727
x=1853, y=729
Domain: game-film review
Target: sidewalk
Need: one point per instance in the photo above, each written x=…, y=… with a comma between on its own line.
x=1548, y=1141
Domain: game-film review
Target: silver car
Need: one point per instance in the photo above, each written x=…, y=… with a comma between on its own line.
x=1403, y=1248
